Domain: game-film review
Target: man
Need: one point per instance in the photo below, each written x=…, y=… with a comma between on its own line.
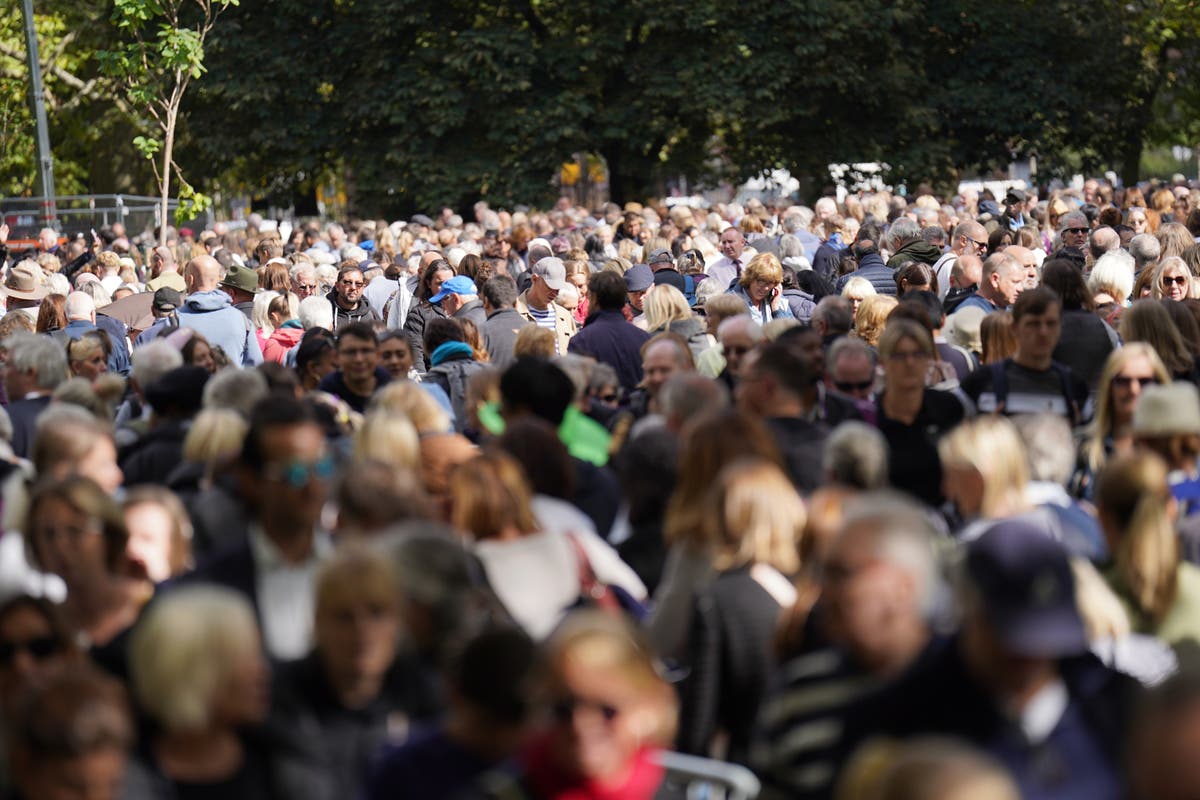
x=241, y=284
x=832, y=318
x=209, y=311
x=737, y=336
x=1145, y=249
x=359, y=374
x=165, y=270
x=24, y=288
x=1002, y=281
x=851, y=370
x=381, y=283
x=1029, y=265
x=1014, y=210
x=460, y=300
x=81, y=318
x=965, y=277
x=606, y=336
x=638, y=281
x=47, y=241
x=663, y=266
x=870, y=263
x=1017, y=681
x=904, y=242
x=663, y=357
x=1031, y=382
x=877, y=583
x=1102, y=240
x=969, y=239
x=36, y=366
x=503, y=321
x=728, y=268
x=776, y=381
x=347, y=300
x=304, y=280
x=163, y=306
x=536, y=304
x=283, y=472
x=1073, y=230
x=174, y=399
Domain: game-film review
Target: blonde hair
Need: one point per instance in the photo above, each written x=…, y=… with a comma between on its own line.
x=763, y=267
x=389, y=439
x=215, y=437
x=871, y=317
x=991, y=446
x=356, y=570
x=997, y=338
x=1133, y=498
x=756, y=517
x=858, y=288
x=409, y=399
x=182, y=649
x=1103, y=422
x=664, y=305
x=1172, y=263
x=534, y=340
x=260, y=317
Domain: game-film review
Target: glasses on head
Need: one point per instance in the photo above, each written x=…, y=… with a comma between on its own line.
x=1125, y=381
x=298, y=474
x=1078, y=231
x=564, y=709
x=1178, y=280
x=853, y=386
x=40, y=647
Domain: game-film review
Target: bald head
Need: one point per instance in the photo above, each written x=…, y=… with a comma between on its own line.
x=165, y=257
x=80, y=305
x=1103, y=240
x=202, y=274
x=966, y=272
x=966, y=235
x=1028, y=262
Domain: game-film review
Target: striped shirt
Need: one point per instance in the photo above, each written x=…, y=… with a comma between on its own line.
x=546, y=319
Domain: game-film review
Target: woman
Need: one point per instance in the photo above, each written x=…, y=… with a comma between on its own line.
x=1111, y=285
x=755, y=519
x=76, y=531
x=997, y=338
x=286, y=331
x=537, y=573
x=912, y=417
x=1148, y=321
x=871, y=317
x=200, y=677
x=356, y=691
x=1172, y=280
x=856, y=290
x=1159, y=589
x=1085, y=340
x=199, y=353
x=1125, y=376
x=1167, y=422
x=609, y=712
x=160, y=532
x=87, y=356
x=667, y=310
x=1174, y=238
x=316, y=357
x=260, y=319
x=34, y=640
x=915, y=276
x=1136, y=219
x=451, y=363
x=52, y=314
x=577, y=276
x=476, y=268
x=758, y=287
x=395, y=355
x=421, y=311
x=275, y=277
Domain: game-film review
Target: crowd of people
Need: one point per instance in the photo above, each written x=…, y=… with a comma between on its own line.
x=890, y=497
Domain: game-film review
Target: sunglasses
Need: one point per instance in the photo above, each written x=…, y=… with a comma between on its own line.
x=609, y=398
x=297, y=474
x=853, y=386
x=41, y=648
x=564, y=709
x=1125, y=381
x=1080, y=231
x=1179, y=280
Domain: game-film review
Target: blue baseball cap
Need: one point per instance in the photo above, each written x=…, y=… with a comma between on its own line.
x=459, y=284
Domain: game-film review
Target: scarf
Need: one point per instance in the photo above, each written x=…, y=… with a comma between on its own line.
x=447, y=350
x=549, y=782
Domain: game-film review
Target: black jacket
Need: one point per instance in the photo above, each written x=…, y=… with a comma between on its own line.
x=360, y=313
x=414, y=329
x=500, y=335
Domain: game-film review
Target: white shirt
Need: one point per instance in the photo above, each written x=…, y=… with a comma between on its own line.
x=285, y=594
x=723, y=270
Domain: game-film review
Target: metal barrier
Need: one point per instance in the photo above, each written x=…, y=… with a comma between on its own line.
x=81, y=213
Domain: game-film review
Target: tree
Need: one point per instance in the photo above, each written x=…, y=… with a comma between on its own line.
x=163, y=54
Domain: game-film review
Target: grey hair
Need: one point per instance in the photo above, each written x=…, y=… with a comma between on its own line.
x=1145, y=249
x=237, y=389
x=902, y=230
x=790, y=247
x=849, y=345
x=1049, y=447
x=578, y=369
x=904, y=535
x=856, y=455
x=153, y=360
x=689, y=394
x=41, y=354
x=316, y=312
x=602, y=375
x=1103, y=240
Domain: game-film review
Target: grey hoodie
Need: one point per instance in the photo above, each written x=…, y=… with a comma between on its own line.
x=212, y=315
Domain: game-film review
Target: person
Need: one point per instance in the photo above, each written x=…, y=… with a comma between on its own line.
x=164, y=271
x=199, y=674
x=81, y=319
x=1172, y=280
x=872, y=622
x=606, y=336
x=174, y=399
x=728, y=268
x=606, y=711
x=663, y=357
x=36, y=366
x=967, y=238
x=911, y=416
x=1031, y=381
x=452, y=362
x=871, y=270
x=283, y=311
x=758, y=286
x=490, y=500
x=208, y=311
x=357, y=691
x=851, y=369
x=1126, y=375
x=503, y=322
x=667, y=310
x=241, y=284
x=160, y=532
x=359, y=374
x=71, y=737
x=87, y=356
x=1167, y=422
x=754, y=519
x=1158, y=588
x=283, y=470
x=459, y=298
x=395, y=355
x=1086, y=340
x=871, y=316
x=489, y=698
x=349, y=305
x=1002, y=280
x=35, y=643
x=639, y=280
x=537, y=304
x=437, y=272
x=903, y=240
x=1017, y=680
x=1149, y=321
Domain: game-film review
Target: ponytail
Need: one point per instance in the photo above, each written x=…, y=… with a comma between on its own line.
x=1147, y=558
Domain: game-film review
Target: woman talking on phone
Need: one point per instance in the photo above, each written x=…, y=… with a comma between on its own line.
x=758, y=286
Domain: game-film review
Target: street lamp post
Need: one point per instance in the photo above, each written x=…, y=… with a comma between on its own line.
x=38, y=97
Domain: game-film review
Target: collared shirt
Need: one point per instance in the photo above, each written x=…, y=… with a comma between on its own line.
x=725, y=269
x=286, y=594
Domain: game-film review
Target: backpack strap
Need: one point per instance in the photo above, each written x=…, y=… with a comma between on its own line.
x=1000, y=383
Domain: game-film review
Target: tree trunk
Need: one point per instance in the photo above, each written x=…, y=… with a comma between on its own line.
x=1131, y=155
x=616, y=179
x=168, y=146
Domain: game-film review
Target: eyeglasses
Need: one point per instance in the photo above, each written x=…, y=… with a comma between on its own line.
x=1078, y=231
x=1125, y=381
x=564, y=709
x=353, y=284
x=609, y=398
x=983, y=246
x=1178, y=280
x=853, y=386
x=307, y=287
x=298, y=474
x=40, y=647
